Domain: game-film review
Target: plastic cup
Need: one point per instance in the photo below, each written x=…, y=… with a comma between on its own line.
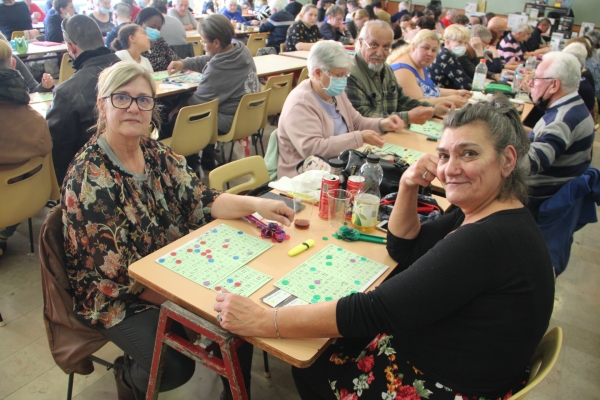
x=338, y=205
x=304, y=201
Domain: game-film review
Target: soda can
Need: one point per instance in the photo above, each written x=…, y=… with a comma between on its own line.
x=354, y=185
x=328, y=183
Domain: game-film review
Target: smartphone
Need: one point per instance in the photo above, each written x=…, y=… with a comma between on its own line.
x=382, y=226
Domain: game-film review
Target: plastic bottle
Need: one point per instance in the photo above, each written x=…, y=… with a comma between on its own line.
x=335, y=168
x=531, y=64
x=366, y=203
x=480, y=74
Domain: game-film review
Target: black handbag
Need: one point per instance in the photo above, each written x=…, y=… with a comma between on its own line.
x=392, y=170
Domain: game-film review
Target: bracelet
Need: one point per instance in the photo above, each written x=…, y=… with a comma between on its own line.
x=275, y=321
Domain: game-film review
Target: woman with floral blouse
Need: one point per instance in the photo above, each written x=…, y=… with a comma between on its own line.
x=160, y=54
x=303, y=33
x=127, y=195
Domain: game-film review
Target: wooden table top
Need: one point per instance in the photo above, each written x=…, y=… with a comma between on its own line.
x=296, y=54
x=274, y=262
x=192, y=36
x=272, y=64
x=33, y=49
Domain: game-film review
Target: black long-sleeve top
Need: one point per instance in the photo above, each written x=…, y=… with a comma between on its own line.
x=15, y=17
x=53, y=29
x=470, y=304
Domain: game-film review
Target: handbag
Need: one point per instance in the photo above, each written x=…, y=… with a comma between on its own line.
x=392, y=170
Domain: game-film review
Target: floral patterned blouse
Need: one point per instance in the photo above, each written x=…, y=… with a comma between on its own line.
x=160, y=55
x=113, y=217
x=300, y=33
x=447, y=72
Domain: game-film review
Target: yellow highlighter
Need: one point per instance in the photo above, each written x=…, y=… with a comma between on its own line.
x=301, y=247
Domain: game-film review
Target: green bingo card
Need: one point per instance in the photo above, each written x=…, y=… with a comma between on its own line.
x=409, y=155
x=431, y=129
x=217, y=259
x=330, y=274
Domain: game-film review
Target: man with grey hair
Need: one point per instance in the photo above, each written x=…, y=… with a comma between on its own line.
x=509, y=49
x=372, y=87
x=72, y=112
x=278, y=23
x=402, y=11
x=562, y=140
x=181, y=11
x=447, y=20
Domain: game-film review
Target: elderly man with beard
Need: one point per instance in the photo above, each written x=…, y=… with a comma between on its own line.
x=372, y=87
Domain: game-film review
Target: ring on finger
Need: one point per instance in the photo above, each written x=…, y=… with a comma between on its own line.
x=219, y=318
x=424, y=176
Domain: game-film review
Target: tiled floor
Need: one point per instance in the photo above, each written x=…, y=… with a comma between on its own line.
x=28, y=372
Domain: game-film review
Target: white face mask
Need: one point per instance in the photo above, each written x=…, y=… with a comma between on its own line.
x=459, y=50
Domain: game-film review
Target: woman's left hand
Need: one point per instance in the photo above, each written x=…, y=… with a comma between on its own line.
x=47, y=81
x=242, y=316
x=465, y=94
x=275, y=210
x=393, y=123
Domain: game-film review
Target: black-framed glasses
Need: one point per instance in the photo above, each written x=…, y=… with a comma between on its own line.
x=124, y=101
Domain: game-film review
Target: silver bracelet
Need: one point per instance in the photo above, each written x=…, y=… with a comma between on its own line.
x=275, y=321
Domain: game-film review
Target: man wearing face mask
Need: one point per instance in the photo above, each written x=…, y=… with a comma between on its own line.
x=64, y=10
x=562, y=140
x=372, y=87
x=72, y=113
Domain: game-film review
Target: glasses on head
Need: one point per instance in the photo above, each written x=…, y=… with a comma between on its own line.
x=376, y=47
x=63, y=27
x=124, y=101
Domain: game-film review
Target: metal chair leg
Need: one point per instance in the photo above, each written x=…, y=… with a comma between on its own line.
x=70, y=387
x=30, y=235
x=266, y=360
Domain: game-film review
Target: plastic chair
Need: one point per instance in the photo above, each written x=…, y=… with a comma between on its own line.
x=281, y=86
x=25, y=190
x=72, y=342
x=195, y=128
x=303, y=76
x=257, y=41
x=198, y=49
x=282, y=47
x=254, y=166
x=66, y=69
x=17, y=34
x=248, y=119
x=543, y=360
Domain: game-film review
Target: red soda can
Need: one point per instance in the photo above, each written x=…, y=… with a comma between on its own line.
x=328, y=183
x=354, y=185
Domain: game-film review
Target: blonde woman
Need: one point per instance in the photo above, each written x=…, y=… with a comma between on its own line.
x=446, y=70
x=127, y=195
x=359, y=17
x=304, y=33
x=410, y=64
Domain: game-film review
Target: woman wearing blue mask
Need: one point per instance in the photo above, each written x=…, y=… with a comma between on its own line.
x=318, y=118
x=411, y=63
x=446, y=70
x=160, y=54
x=103, y=16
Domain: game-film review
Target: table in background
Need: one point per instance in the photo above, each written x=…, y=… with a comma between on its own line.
x=303, y=54
x=190, y=295
x=35, y=50
x=192, y=36
x=272, y=64
x=41, y=107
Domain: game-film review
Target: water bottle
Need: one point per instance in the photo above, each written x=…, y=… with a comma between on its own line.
x=480, y=74
x=366, y=203
x=531, y=64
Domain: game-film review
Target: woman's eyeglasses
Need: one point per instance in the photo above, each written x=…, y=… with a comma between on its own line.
x=124, y=101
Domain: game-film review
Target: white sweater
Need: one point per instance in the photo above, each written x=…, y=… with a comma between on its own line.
x=125, y=56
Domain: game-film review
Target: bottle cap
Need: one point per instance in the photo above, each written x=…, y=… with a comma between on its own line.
x=373, y=158
x=336, y=163
x=482, y=60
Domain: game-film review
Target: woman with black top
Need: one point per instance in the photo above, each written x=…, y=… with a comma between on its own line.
x=303, y=33
x=472, y=294
x=14, y=16
x=103, y=16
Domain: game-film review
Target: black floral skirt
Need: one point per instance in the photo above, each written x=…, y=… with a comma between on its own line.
x=353, y=369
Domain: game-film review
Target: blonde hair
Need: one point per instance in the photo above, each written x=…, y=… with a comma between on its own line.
x=423, y=35
x=304, y=9
x=457, y=32
x=5, y=54
x=360, y=13
x=117, y=76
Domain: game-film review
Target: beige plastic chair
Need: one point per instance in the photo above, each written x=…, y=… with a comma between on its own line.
x=282, y=47
x=254, y=166
x=17, y=34
x=25, y=190
x=303, y=76
x=281, y=86
x=66, y=69
x=257, y=41
x=195, y=128
x=198, y=49
x=542, y=361
x=248, y=119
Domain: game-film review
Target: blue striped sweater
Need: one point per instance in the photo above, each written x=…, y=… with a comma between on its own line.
x=561, y=145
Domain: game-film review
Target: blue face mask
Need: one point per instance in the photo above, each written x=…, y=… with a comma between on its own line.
x=104, y=10
x=336, y=86
x=152, y=33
